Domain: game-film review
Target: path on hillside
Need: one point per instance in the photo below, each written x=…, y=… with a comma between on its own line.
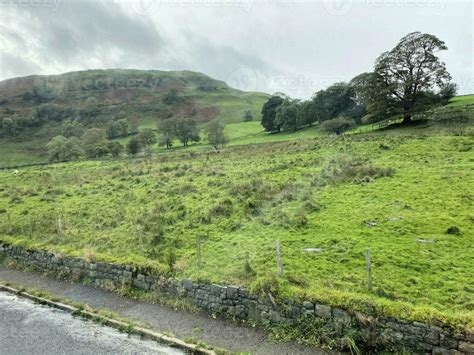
x=223, y=334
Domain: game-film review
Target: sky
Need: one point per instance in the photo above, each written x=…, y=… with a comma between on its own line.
x=292, y=46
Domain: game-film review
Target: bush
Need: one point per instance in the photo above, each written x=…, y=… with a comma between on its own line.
x=351, y=169
x=134, y=146
x=337, y=125
x=453, y=230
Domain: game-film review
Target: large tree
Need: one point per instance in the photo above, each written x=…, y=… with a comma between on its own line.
x=269, y=113
x=337, y=100
x=186, y=131
x=64, y=149
x=408, y=73
x=287, y=115
x=147, y=137
x=94, y=142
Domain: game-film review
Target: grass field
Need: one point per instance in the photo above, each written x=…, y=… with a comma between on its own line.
x=462, y=100
x=397, y=193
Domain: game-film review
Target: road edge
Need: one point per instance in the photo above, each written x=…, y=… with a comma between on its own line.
x=116, y=324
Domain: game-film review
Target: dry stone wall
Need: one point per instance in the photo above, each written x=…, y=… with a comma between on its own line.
x=235, y=302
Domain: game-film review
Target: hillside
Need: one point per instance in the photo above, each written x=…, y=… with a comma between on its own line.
x=406, y=194
x=36, y=106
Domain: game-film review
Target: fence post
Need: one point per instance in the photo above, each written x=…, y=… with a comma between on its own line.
x=369, y=269
x=278, y=255
x=198, y=250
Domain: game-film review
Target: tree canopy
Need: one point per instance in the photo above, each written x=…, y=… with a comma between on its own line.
x=269, y=113
x=409, y=73
x=216, y=135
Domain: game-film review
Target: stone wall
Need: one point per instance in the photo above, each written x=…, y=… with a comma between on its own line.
x=229, y=301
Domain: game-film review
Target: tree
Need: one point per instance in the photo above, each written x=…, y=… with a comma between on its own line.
x=186, y=131
x=9, y=126
x=308, y=113
x=269, y=113
x=147, y=137
x=410, y=70
x=247, y=117
x=90, y=109
x=216, y=135
x=167, y=130
x=337, y=125
x=447, y=92
x=134, y=146
x=94, y=142
x=72, y=128
x=115, y=148
x=287, y=115
x=117, y=128
x=133, y=122
x=336, y=100
x=64, y=149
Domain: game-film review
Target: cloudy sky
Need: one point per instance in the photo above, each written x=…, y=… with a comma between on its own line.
x=293, y=46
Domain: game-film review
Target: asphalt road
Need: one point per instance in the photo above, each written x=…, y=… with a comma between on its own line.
x=29, y=328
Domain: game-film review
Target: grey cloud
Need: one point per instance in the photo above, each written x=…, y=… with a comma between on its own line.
x=297, y=47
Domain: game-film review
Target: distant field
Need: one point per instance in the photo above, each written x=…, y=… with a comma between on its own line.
x=232, y=108
x=462, y=100
x=338, y=194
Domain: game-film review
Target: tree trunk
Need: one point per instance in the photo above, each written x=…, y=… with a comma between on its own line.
x=407, y=118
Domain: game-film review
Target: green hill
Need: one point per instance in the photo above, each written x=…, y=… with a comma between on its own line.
x=405, y=193
x=33, y=108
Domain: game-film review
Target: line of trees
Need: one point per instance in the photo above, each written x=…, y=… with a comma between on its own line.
x=408, y=79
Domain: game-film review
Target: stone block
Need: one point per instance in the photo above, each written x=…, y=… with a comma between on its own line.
x=322, y=311
x=232, y=293
x=466, y=347
x=447, y=341
x=341, y=315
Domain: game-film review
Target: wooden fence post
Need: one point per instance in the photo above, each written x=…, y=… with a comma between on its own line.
x=198, y=250
x=369, y=269
x=278, y=255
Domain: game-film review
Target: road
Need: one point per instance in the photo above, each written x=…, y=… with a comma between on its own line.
x=29, y=328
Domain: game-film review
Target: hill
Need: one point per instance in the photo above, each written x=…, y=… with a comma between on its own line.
x=33, y=108
x=405, y=194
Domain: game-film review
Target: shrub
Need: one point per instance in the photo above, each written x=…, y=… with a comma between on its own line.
x=134, y=146
x=453, y=230
x=345, y=168
x=337, y=125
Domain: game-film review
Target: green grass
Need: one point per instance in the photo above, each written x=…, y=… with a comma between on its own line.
x=462, y=100
x=240, y=200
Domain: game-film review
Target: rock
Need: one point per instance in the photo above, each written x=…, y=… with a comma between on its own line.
x=312, y=250
x=341, y=315
x=308, y=305
x=447, y=341
x=232, y=293
x=322, y=311
x=370, y=224
x=466, y=347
